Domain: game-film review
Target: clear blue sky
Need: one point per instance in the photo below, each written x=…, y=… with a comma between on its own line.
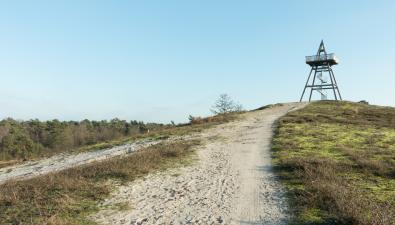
x=163, y=60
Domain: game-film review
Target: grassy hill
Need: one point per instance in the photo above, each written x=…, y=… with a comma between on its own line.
x=337, y=160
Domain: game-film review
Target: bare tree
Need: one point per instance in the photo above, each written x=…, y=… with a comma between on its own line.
x=238, y=107
x=225, y=104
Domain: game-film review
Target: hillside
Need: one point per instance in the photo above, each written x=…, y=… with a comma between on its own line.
x=337, y=160
x=216, y=170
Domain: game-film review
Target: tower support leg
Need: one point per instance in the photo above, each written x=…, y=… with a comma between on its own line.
x=305, y=86
x=334, y=79
x=312, y=86
x=333, y=86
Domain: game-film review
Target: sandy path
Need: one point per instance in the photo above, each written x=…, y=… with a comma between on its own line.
x=231, y=183
x=64, y=161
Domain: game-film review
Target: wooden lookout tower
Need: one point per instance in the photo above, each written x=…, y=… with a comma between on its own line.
x=321, y=64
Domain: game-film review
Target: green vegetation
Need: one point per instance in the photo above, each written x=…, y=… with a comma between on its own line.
x=337, y=160
x=67, y=197
x=25, y=140
x=30, y=139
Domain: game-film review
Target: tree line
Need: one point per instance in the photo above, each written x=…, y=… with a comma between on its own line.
x=23, y=139
x=27, y=139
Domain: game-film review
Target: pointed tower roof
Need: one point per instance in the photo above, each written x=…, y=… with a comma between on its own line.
x=321, y=48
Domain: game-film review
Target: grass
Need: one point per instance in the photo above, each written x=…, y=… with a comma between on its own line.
x=162, y=132
x=337, y=160
x=196, y=125
x=67, y=197
x=8, y=163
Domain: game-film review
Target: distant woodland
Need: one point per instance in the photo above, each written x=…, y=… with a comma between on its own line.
x=26, y=139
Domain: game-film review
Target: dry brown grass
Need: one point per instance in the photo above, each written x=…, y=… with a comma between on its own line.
x=76, y=138
x=338, y=161
x=8, y=163
x=339, y=201
x=212, y=120
x=196, y=125
x=68, y=196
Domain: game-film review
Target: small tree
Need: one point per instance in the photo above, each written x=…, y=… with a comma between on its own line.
x=225, y=104
x=238, y=108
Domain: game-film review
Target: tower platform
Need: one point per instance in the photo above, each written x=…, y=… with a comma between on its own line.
x=323, y=59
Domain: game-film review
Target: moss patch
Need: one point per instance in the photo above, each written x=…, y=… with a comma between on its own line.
x=337, y=160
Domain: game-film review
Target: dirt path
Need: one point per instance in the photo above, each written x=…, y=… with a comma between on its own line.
x=232, y=182
x=64, y=161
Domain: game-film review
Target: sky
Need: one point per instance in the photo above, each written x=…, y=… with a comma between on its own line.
x=158, y=61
